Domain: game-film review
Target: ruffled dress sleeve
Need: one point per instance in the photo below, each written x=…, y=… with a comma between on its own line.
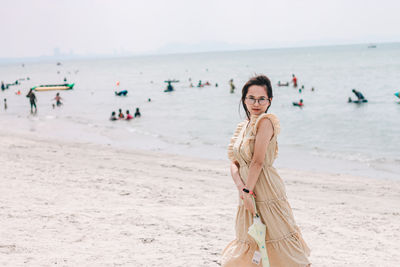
x=274, y=120
x=233, y=140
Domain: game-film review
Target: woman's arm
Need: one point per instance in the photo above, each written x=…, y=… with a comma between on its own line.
x=263, y=137
x=236, y=176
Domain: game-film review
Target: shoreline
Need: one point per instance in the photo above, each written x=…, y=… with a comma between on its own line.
x=81, y=204
x=128, y=138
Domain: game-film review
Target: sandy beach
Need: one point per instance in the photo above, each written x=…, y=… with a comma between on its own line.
x=79, y=204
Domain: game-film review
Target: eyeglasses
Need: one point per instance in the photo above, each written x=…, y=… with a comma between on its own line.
x=252, y=101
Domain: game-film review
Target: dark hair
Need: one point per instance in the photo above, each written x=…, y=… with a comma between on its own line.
x=260, y=80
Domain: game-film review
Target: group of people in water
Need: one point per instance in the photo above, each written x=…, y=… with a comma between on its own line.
x=32, y=97
x=300, y=103
x=207, y=83
x=128, y=115
x=32, y=100
x=360, y=98
x=200, y=84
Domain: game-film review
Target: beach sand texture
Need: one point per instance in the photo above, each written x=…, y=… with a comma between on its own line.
x=74, y=204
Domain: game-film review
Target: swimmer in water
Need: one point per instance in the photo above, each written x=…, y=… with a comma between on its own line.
x=299, y=104
x=121, y=115
x=170, y=88
x=113, y=117
x=137, y=113
x=360, y=97
x=58, y=100
x=128, y=116
x=5, y=104
x=358, y=94
x=121, y=93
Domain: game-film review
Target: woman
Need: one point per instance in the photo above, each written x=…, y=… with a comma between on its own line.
x=252, y=150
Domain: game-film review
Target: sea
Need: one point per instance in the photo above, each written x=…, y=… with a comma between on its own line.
x=327, y=135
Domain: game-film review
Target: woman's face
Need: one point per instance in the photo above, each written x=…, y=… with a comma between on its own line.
x=257, y=100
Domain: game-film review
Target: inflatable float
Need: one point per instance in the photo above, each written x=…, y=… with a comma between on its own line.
x=53, y=87
x=357, y=101
x=121, y=93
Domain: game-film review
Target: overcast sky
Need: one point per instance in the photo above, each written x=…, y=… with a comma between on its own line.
x=36, y=27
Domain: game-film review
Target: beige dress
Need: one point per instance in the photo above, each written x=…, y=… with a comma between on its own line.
x=285, y=244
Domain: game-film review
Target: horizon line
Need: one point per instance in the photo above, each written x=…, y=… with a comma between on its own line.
x=154, y=53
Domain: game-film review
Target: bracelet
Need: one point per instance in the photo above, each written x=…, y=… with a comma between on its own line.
x=249, y=191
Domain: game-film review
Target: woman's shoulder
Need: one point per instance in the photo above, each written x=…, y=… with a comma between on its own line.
x=272, y=118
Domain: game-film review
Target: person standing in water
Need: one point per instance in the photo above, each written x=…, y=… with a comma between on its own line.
x=58, y=100
x=5, y=103
x=232, y=86
x=294, y=80
x=252, y=152
x=32, y=100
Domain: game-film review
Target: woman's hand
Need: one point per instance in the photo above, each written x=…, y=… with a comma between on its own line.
x=248, y=203
x=241, y=193
x=240, y=189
